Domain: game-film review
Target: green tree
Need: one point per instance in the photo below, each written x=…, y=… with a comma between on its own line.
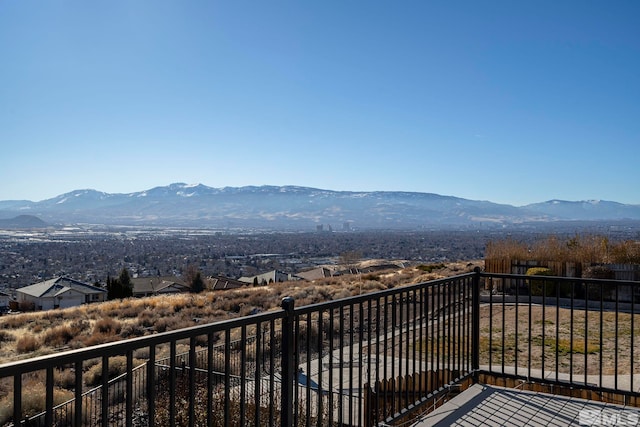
x=197, y=284
x=114, y=288
x=125, y=284
x=120, y=287
x=109, y=288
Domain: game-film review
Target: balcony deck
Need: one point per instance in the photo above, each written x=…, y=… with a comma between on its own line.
x=484, y=405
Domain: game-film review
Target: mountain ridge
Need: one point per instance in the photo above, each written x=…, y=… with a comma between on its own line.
x=298, y=207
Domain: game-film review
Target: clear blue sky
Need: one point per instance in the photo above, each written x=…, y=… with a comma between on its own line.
x=509, y=101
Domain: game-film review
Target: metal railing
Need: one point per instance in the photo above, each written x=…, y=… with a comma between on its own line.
x=570, y=333
x=382, y=357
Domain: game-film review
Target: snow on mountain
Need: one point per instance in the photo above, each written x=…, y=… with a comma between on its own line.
x=294, y=207
x=586, y=210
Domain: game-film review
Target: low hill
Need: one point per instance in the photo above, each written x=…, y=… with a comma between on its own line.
x=23, y=222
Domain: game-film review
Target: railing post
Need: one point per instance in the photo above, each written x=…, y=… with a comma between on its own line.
x=475, y=325
x=288, y=368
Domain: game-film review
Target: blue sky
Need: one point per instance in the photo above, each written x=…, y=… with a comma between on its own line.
x=509, y=101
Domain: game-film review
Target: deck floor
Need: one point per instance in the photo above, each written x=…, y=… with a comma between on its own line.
x=482, y=405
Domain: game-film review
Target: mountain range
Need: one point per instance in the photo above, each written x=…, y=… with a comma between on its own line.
x=296, y=208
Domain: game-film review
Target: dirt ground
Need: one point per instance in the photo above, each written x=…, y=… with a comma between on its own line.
x=598, y=341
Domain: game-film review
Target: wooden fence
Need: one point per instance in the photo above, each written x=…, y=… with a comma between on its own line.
x=626, y=272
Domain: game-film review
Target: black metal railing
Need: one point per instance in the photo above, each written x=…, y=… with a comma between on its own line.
x=374, y=358
x=574, y=333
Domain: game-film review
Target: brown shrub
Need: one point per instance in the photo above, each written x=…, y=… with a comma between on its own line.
x=147, y=318
x=38, y=326
x=141, y=353
x=127, y=311
x=173, y=323
x=391, y=281
x=27, y=344
x=14, y=321
x=98, y=338
x=117, y=366
x=265, y=417
x=162, y=325
x=371, y=286
x=6, y=336
x=131, y=330
x=178, y=305
x=79, y=326
x=65, y=378
x=58, y=336
x=341, y=293
x=625, y=253
x=590, y=249
x=33, y=400
x=247, y=310
x=54, y=315
x=107, y=326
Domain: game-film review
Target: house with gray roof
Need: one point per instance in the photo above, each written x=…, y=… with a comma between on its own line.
x=217, y=283
x=61, y=292
x=315, y=273
x=149, y=286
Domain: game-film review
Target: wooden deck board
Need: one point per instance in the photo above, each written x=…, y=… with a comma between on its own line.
x=483, y=405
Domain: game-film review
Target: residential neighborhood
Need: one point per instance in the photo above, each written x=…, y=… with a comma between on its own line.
x=64, y=292
x=61, y=292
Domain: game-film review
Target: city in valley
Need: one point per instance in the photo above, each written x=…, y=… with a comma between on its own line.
x=93, y=253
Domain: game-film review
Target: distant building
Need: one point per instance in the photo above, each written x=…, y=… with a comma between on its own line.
x=320, y=228
x=315, y=273
x=273, y=276
x=4, y=302
x=218, y=283
x=61, y=292
x=149, y=286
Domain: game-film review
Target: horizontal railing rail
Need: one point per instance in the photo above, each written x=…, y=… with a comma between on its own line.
x=377, y=358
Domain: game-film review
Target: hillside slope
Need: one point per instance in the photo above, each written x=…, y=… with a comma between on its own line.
x=32, y=334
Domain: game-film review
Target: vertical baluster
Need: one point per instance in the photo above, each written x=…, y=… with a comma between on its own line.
x=77, y=411
x=309, y=357
x=48, y=418
x=601, y=326
x=258, y=373
x=615, y=364
x=129, y=390
x=330, y=385
x=571, y=326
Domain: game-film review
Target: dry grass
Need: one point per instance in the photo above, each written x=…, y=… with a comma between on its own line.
x=55, y=330
x=585, y=249
x=33, y=399
x=582, y=337
x=117, y=366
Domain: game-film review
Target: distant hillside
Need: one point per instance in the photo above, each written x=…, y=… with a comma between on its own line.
x=22, y=221
x=301, y=208
x=585, y=210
